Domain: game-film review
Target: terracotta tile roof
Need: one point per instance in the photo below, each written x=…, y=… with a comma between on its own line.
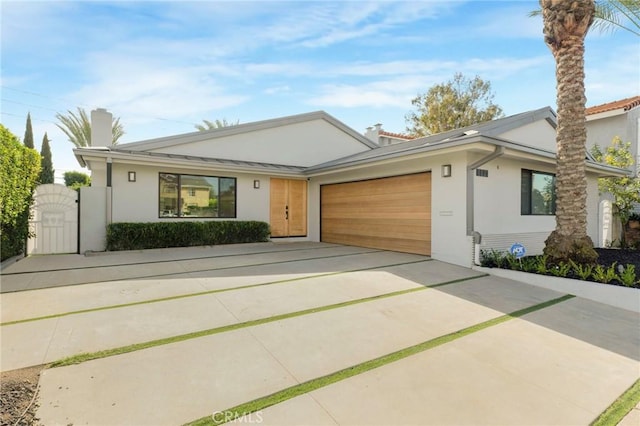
x=625, y=104
x=395, y=135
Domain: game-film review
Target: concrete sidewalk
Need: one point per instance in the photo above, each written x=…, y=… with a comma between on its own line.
x=562, y=364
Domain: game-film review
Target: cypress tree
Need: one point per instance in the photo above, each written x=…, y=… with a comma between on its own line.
x=28, y=134
x=46, y=171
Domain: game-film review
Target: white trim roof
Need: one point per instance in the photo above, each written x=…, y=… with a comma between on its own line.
x=186, y=138
x=482, y=133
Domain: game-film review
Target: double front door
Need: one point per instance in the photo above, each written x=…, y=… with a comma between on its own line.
x=288, y=209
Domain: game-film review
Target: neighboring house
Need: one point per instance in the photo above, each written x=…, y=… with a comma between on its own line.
x=619, y=118
x=604, y=122
x=313, y=178
x=383, y=138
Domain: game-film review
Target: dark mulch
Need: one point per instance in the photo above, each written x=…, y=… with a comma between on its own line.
x=607, y=257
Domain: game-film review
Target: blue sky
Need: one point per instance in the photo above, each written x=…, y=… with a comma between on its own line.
x=164, y=66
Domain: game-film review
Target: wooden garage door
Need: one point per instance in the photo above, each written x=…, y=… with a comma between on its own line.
x=391, y=213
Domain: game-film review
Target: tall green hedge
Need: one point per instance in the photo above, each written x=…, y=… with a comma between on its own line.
x=19, y=170
x=136, y=236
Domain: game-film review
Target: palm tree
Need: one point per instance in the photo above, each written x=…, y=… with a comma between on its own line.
x=614, y=14
x=211, y=125
x=78, y=128
x=565, y=26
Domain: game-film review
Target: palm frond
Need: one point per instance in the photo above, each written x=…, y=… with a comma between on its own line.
x=77, y=128
x=613, y=14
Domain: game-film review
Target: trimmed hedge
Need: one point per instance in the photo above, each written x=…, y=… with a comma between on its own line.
x=19, y=170
x=136, y=236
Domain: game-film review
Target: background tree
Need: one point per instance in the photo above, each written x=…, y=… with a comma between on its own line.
x=457, y=103
x=19, y=169
x=77, y=127
x=614, y=14
x=46, y=170
x=625, y=190
x=565, y=26
x=28, y=133
x=217, y=124
x=75, y=180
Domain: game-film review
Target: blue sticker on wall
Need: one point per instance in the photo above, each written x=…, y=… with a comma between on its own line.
x=517, y=250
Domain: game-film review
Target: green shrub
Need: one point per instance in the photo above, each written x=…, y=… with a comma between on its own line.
x=492, y=258
x=19, y=170
x=560, y=270
x=603, y=274
x=628, y=276
x=513, y=262
x=136, y=236
x=541, y=264
x=584, y=271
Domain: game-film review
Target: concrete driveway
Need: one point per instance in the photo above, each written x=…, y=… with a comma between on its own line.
x=333, y=334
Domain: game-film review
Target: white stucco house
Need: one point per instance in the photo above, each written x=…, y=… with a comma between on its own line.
x=313, y=178
x=606, y=121
x=618, y=118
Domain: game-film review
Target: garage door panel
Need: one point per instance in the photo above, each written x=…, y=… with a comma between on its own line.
x=406, y=229
x=362, y=209
x=389, y=213
x=377, y=187
x=395, y=244
x=382, y=200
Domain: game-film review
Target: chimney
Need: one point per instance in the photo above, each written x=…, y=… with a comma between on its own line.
x=101, y=125
x=373, y=133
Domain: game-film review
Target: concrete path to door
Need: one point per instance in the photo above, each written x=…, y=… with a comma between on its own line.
x=312, y=333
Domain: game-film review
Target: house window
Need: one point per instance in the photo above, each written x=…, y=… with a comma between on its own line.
x=538, y=193
x=197, y=196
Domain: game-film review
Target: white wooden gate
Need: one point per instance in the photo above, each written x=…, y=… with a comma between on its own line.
x=54, y=221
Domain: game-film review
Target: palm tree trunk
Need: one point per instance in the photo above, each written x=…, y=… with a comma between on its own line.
x=566, y=24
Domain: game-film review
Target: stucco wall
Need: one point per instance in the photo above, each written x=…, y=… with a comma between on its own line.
x=139, y=201
x=497, y=208
x=603, y=130
x=299, y=144
x=539, y=134
x=627, y=126
x=93, y=218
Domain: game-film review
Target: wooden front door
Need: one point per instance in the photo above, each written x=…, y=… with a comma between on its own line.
x=288, y=208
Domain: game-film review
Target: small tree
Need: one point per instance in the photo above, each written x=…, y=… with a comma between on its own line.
x=75, y=180
x=457, y=103
x=46, y=172
x=217, y=124
x=28, y=133
x=625, y=190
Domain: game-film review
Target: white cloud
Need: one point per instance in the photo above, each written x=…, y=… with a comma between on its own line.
x=143, y=90
x=356, y=96
x=404, y=80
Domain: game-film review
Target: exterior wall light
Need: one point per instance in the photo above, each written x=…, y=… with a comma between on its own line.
x=132, y=176
x=446, y=170
x=256, y=184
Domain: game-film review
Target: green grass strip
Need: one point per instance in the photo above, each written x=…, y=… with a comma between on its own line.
x=84, y=357
x=202, y=293
x=620, y=407
x=320, y=382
